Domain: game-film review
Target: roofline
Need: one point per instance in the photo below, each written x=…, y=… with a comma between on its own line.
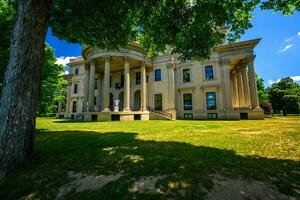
x=238, y=45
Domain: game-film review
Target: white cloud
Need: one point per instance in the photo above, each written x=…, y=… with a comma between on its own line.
x=63, y=60
x=296, y=78
x=289, y=39
x=286, y=47
x=298, y=33
x=271, y=81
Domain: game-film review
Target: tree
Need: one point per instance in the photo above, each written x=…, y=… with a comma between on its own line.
x=52, y=83
x=7, y=18
x=191, y=28
x=285, y=96
x=287, y=7
x=263, y=95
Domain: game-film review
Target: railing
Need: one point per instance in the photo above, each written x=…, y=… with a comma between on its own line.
x=164, y=113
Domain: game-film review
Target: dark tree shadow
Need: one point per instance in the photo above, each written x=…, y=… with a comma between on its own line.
x=57, y=153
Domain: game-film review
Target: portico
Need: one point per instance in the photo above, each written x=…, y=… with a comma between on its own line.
x=111, y=72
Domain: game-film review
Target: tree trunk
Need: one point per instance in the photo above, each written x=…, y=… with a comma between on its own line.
x=21, y=84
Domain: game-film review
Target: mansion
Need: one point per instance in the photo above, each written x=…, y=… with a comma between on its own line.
x=125, y=84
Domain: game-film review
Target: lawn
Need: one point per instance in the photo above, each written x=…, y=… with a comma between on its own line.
x=160, y=160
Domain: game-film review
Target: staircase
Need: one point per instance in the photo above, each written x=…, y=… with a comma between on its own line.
x=159, y=115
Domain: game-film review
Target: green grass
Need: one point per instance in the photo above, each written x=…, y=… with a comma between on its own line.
x=187, y=153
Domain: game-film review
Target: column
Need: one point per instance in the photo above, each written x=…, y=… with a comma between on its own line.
x=86, y=86
x=235, y=90
x=59, y=107
x=98, y=98
x=246, y=87
x=226, y=84
x=252, y=83
x=240, y=88
x=92, y=86
x=106, y=86
x=143, y=88
x=126, y=85
x=69, y=97
x=171, y=86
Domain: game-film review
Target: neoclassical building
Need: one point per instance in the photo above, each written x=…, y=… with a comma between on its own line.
x=126, y=85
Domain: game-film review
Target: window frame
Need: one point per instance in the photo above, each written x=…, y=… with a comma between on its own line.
x=74, y=106
x=75, y=89
x=155, y=102
x=208, y=78
x=208, y=107
x=183, y=98
x=183, y=75
x=157, y=78
x=76, y=71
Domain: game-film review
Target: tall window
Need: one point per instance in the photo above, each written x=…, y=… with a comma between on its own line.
x=75, y=88
x=157, y=73
x=96, y=84
x=110, y=81
x=74, y=106
x=122, y=80
x=95, y=101
x=211, y=101
x=186, y=75
x=76, y=71
x=187, y=102
x=209, y=73
x=138, y=78
x=158, y=102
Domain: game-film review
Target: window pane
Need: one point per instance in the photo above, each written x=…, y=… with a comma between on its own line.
x=138, y=78
x=186, y=75
x=209, y=73
x=158, y=102
x=157, y=75
x=75, y=89
x=187, y=102
x=211, y=101
x=74, y=106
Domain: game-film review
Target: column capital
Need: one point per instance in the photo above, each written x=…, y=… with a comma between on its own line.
x=126, y=58
x=250, y=58
x=171, y=66
x=143, y=64
x=107, y=58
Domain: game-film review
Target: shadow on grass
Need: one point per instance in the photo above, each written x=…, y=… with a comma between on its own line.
x=57, y=153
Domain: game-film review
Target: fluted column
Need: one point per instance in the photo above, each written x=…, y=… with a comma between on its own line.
x=252, y=83
x=86, y=86
x=226, y=82
x=106, y=86
x=235, y=89
x=246, y=87
x=92, y=86
x=69, y=97
x=143, y=88
x=98, y=98
x=171, y=86
x=240, y=88
x=126, y=85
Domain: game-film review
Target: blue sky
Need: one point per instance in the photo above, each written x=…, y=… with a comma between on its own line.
x=277, y=55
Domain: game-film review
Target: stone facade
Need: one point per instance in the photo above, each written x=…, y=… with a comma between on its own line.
x=163, y=87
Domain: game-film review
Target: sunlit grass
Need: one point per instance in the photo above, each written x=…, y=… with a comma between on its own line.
x=185, y=153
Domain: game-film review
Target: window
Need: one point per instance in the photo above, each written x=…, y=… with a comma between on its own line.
x=95, y=101
x=158, y=102
x=76, y=71
x=122, y=80
x=211, y=101
x=147, y=78
x=188, y=115
x=75, y=88
x=212, y=115
x=110, y=82
x=186, y=75
x=138, y=78
x=157, y=75
x=74, y=106
x=209, y=73
x=187, y=102
x=96, y=84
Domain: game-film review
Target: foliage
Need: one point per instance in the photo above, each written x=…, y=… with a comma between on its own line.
x=7, y=17
x=185, y=153
x=261, y=90
x=285, y=96
x=287, y=7
x=51, y=86
x=191, y=28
